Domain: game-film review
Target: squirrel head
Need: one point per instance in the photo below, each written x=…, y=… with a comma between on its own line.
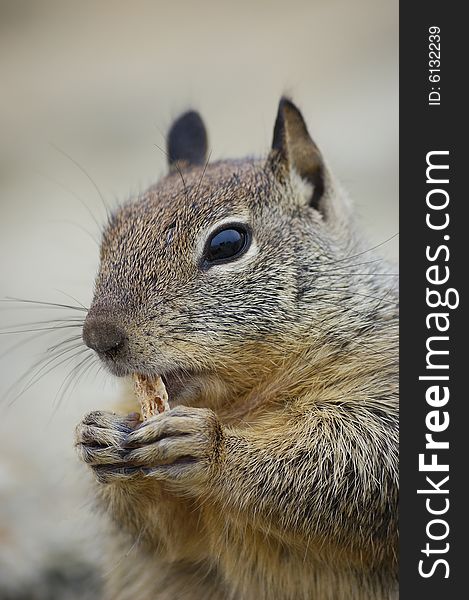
x=209, y=273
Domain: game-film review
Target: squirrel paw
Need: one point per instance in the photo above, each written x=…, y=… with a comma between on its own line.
x=98, y=440
x=180, y=445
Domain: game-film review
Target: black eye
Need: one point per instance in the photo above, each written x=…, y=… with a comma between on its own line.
x=226, y=244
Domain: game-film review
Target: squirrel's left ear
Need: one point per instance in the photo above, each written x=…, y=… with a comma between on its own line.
x=187, y=141
x=293, y=150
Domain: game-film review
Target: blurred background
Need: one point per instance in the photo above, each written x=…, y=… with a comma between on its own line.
x=87, y=92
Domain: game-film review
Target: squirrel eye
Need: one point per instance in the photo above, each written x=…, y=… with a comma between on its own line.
x=226, y=244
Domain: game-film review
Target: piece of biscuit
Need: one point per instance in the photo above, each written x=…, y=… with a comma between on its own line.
x=151, y=394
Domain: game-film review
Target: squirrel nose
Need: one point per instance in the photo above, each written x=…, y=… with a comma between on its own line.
x=103, y=336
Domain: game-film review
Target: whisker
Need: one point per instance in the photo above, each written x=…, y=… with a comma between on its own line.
x=85, y=173
x=33, y=330
x=55, y=347
x=50, y=350
x=343, y=309
x=77, y=351
x=178, y=169
x=368, y=262
x=23, y=342
x=203, y=172
x=352, y=274
x=59, y=399
x=72, y=298
x=383, y=298
x=78, y=226
x=41, y=303
x=72, y=193
x=74, y=373
x=42, y=368
x=352, y=293
x=85, y=370
x=99, y=369
x=386, y=241
x=184, y=185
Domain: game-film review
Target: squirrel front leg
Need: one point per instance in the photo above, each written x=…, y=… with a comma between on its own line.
x=327, y=474
x=324, y=478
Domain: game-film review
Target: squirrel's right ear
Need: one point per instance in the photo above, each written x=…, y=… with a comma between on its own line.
x=293, y=150
x=187, y=141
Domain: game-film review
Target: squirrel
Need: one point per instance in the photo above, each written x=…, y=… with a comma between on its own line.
x=245, y=285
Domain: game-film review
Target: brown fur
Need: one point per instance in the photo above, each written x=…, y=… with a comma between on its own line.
x=274, y=476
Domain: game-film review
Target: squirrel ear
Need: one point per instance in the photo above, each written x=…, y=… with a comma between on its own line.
x=187, y=141
x=293, y=149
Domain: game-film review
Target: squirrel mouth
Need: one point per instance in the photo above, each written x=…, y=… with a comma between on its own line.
x=179, y=382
